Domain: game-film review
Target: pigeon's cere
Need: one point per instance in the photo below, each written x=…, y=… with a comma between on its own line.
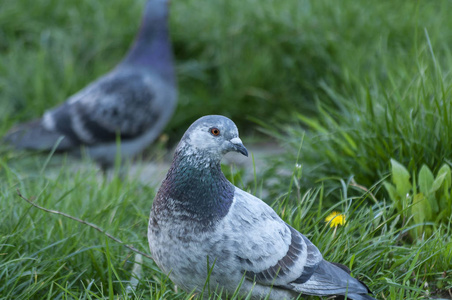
x=133, y=102
x=199, y=221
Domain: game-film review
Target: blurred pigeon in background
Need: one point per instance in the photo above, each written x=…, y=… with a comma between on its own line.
x=201, y=224
x=133, y=102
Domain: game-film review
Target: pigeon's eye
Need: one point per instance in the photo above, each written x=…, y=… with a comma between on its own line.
x=215, y=131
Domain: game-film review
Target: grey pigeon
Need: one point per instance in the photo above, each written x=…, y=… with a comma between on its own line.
x=201, y=223
x=135, y=101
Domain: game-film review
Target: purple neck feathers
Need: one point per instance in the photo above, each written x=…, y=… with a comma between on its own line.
x=152, y=46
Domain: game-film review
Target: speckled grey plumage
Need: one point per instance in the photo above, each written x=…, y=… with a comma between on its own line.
x=134, y=100
x=198, y=216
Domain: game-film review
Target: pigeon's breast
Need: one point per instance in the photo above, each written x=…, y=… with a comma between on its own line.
x=186, y=253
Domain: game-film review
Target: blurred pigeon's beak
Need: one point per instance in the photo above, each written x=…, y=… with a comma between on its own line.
x=238, y=146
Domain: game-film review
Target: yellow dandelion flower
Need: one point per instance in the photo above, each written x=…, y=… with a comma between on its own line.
x=335, y=219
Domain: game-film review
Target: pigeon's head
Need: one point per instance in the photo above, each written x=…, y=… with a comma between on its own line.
x=157, y=9
x=213, y=136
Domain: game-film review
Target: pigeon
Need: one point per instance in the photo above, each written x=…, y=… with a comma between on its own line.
x=202, y=224
x=132, y=102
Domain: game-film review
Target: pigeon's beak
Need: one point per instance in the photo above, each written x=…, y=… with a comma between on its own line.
x=238, y=146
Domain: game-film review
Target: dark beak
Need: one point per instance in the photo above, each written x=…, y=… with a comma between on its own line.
x=238, y=146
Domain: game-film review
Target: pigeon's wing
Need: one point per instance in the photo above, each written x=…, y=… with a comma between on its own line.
x=124, y=103
x=271, y=252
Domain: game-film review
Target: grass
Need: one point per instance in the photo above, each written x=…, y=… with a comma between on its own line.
x=393, y=101
x=359, y=82
x=46, y=256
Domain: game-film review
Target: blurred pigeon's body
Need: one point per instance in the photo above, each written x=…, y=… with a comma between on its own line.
x=200, y=222
x=133, y=102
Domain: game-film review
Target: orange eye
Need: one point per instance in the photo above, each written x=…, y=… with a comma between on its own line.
x=215, y=131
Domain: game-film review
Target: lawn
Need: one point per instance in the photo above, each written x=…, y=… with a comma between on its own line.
x=358, y=93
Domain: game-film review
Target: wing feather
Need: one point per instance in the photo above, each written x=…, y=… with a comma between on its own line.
x=270, y=252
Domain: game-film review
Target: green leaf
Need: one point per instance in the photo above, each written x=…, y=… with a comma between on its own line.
x=391, y=191
x=418, y=213
x=445, y=169
x=425, y=180
x=440, y=178
x=426, y=186
x=438, y=182
x=401, y=179
x=421, y=210
x=417, y=208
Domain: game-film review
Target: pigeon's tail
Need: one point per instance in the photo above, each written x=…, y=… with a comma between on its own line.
x=354, y=296
x=33, y=136
x=333, y=279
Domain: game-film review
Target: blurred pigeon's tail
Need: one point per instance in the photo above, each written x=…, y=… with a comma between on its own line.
x=32, y=135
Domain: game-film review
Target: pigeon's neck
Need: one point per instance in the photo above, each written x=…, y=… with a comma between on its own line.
x=195, y=188
x=152, y=46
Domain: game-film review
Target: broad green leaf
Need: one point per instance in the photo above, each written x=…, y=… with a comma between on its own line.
x=426, y=186
x=438, y=182
x=425, y=180
x=391, y=191
x=417, y=209
x=419, y=213
x=401, y=179
x=445, y=169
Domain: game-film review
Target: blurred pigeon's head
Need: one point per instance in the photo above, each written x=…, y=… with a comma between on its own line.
x=213, y=136
x=156, y=9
